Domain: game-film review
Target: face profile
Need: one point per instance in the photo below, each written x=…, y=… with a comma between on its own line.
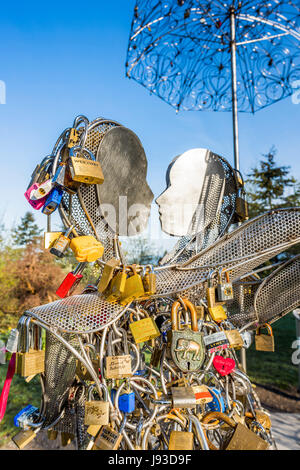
x=195, y=187
x=125, y=197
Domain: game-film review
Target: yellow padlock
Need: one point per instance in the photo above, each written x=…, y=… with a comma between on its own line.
x=144, y=330
x=134, y=287
x=86, y=248
x=117, y=286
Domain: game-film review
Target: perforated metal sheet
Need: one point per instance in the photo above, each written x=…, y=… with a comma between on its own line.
x=60, y=366
x=240, y=310
x=77, y=314
x=279, y=293
x=213, y=228
x=255, y=242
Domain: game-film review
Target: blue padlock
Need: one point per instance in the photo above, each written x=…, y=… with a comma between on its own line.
x=26, y=416
x=126, y=401
x=53, y=200
x=218, y=402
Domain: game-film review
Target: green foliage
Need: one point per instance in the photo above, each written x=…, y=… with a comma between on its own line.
x=276, y=368
x=27, y=231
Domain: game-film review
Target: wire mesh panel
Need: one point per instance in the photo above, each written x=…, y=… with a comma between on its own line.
x=77, y=314
x=279, y=293
x=240, y=251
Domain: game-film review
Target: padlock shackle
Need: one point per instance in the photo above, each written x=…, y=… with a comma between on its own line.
x=265, y=325
x=175, y=315
x=218, y=415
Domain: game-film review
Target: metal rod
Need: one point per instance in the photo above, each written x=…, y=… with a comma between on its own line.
x=234, y=89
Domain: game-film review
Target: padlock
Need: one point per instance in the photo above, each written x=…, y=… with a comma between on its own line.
x=202, y=394
x=2, y=352
x=83, y=373
x=85, y=170
x=181, y=440
x=264, y=342
x=26, y=417
x=235, y=339
x=107, y=274
x=224, y=290
x=217, y=403
x=241, y=439
x=24, y=437
x=107, y=439
x=134, y=287
x=187, y=347
x=61, y=244
x=66, y=438
x=118, y=367
x=96, y=412
x=29, y=361
x=42, y=190
x=241, y=207
x=215, y=309
x=52, y=434
x=53, y=201
x=183, y=397
x=50, y=238
x=144, y=330
x=117, y=286
x=149, y=280
x=37, y=204
x=71, y=281
x=126, y=402
x=216, y=341
x=86, y=248
x=73, y=137
x=13, y=340
x=156, y=356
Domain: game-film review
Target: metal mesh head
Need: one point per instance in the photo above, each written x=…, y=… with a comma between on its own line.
x=240, y=252
x=215, y=223
x=279, y=293
x=77, y=314
x=82, y=209
x=240, y=310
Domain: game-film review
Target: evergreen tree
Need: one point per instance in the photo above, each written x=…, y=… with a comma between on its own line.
x=267, y=184
x=27, y=231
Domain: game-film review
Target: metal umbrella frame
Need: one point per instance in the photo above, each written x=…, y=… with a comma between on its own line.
x=214, y=55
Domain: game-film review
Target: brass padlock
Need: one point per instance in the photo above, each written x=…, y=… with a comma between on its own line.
x=180, y=440
x=156, y=356
x=73, y=137
x=149, y=280
x=107, y=439
x=24, y=437
x=85, y=170
x=82, y=372
x=50, y=238
x=215, y=309
x=118, y=367
x=187, y=347
x=96, y=412
x=107, y=273
x=144, y=330
x=241, y=207
x=30, y=361
x=264, y=342
x=66, y=438
x=117, y=286
x=242, y=438
x=235, y=339
x=134, y=287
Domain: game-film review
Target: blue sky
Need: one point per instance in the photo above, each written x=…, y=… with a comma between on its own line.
x=61, y=59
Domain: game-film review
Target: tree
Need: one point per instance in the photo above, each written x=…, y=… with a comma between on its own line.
x=138, y=250
x=267, y=187
x=267, y=184
x=28, y=231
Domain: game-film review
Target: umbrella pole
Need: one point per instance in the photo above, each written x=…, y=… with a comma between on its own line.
x=235, y=122
x=234, y=90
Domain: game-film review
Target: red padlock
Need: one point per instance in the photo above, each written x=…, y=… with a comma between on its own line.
x=71, y=281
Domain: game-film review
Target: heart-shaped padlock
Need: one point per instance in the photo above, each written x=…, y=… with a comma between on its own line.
x=223, y=365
